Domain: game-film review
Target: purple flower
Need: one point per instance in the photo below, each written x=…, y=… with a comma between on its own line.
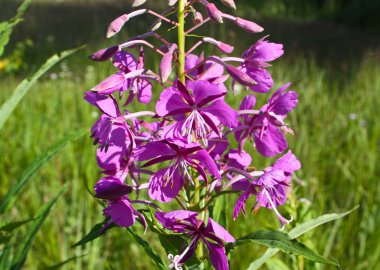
x=213, y=236
x=110, y=129
x=256, y=60
x=270, y=188
x=119, y=208
x=198, y=112
x=166, y=183
x=264, y=125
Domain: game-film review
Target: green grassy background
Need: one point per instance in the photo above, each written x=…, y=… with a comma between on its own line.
x=335, y=69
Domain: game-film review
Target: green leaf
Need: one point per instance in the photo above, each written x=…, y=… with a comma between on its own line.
x=298, y=231
x=25, y=245
x=313, y=223
x=26, y=84
x=279, y=240
x=11, y=195
x=171, y=243
x=95, y=232
x=14, y=225
x=6, y=27
x=148, y=250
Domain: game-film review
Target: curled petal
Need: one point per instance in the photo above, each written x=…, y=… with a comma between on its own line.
x=166, y=63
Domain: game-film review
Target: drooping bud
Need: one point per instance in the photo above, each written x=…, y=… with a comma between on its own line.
x=248, y=25
x=104, y=54
x=155, y=25
x=223, y=47
x=166, y=63
x=172, y=2
x=229, y=3
x=214, y=13
x=197, y=18
x=240, y=76
x=116, y=25
x=136, y=3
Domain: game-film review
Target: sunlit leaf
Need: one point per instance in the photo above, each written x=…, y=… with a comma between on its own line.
x=281, y=241
x=296, y=232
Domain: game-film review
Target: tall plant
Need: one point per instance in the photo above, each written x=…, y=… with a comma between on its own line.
x=181, y=153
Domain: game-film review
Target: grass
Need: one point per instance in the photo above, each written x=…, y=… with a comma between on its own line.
x=336, y=138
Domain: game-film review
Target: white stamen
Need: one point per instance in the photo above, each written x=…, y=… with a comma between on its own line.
x=201, y=129
x=283, y=220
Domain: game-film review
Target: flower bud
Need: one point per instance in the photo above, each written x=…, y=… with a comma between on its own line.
x=214, y=13
x=172, y=2
x=248, y=25
x=157, y=24
x=229, y=3
x=240, y=76
x=104, y=54
x=197, y=18
x=223, y=47
x=116, y=25
x=166, y=63
x=136, y=3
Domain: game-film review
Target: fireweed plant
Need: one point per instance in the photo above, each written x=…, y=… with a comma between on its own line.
x=180, y=152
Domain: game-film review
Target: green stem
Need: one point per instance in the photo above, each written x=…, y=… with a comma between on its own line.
x=181, y=40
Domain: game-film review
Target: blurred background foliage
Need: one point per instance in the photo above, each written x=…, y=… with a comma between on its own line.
x=333, y=59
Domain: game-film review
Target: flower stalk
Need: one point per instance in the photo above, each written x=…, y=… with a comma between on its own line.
x=181, y=40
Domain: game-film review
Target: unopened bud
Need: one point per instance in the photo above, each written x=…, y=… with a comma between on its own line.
x=214, y=13
x=248, y=25
x=116, y=25
x=223, y=47
x=104, y=54
x=172, y=2
x=240, y=76
x=229, y=3
x=197, y=18
x=136, y=3
x=155, y=25
x=166, y=63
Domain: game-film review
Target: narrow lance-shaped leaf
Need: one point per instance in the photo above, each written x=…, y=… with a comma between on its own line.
x=279, y=240
x=148, y=250
x=296, y=232
x=27, y=239
x=61, y=264
x=26, y=84
x=14, y=225
x=94, y=233
x=11, y=195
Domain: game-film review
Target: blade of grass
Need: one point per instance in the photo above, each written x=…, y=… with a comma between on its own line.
x=25, y=245
x=26, y=84
x=11, y=195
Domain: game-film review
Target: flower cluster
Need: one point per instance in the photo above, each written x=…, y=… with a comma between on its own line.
x=183, y=151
